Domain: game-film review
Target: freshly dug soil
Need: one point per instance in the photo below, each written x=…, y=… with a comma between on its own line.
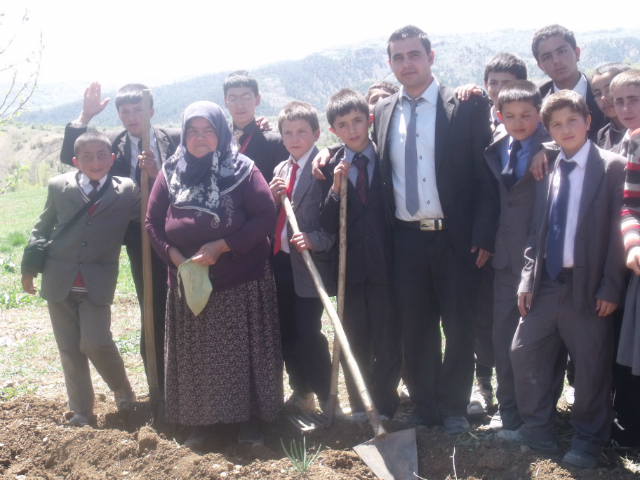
x=35, y=444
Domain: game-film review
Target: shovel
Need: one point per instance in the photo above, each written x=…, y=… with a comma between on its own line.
x=140, y=413
x=391, y=456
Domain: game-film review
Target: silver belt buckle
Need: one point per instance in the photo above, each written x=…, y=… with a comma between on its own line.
x=431, y=224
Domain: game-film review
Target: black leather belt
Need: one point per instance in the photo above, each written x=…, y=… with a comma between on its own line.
x=426, y=225
x=564, y=275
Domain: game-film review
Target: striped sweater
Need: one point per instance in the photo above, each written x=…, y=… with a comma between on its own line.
x=631, y=206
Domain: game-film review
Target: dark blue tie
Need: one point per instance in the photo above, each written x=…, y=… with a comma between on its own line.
x=558, y=221
x=509, y=172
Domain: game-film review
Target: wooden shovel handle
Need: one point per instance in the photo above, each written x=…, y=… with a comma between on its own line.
x=342, y=271
x=147, y=274
x=372, y=412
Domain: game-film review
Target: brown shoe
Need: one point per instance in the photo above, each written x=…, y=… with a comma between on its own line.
x=124, y=397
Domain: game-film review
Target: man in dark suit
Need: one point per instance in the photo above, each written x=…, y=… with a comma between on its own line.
x=129, y=160
x=241, y=96
x=555, y=49
x=443, y=200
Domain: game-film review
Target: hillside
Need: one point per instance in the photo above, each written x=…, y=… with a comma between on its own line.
x=459, y=59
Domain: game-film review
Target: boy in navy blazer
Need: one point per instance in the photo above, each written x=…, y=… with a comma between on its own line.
x=81, y=270
x=369, y=307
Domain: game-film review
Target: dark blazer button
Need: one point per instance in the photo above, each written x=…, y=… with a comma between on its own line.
x=89, y=222
x=84, y=244
x=80, y=264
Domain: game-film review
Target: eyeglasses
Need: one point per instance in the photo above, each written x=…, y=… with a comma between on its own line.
x=243, y=99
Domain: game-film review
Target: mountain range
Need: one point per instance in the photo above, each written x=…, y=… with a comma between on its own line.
x=459, y=60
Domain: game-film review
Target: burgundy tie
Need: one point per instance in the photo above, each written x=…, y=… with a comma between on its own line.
x=362, y=185
x=95, y=184
x=283, y=215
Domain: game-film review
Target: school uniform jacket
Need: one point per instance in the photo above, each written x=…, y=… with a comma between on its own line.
x=599, y=264
x=168, y=140
x=92, y=245
x=306, y=200
x=266, y=150
x=598, y=119
x=369, y=245
x=516, y=205
x=467, y=190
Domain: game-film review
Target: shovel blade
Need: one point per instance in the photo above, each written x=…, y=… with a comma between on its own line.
x=392, y=456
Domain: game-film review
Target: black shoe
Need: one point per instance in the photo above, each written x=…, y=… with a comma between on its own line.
x=455, y=424
x=580, y=459
x=514, y=436
x=250, y=433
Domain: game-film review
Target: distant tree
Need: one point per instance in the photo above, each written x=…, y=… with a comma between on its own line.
x=18, y=74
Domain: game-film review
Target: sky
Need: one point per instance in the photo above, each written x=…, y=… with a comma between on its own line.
x=117, y=42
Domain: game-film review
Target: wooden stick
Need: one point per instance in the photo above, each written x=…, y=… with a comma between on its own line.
x=147, y=274
x=342, y=271
x=372, y=412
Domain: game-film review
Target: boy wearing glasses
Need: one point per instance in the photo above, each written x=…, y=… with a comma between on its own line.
x=241, y=97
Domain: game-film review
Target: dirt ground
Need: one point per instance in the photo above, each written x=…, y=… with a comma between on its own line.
x=35, y=443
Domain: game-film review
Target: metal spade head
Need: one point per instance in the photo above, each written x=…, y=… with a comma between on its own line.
x=391, y=456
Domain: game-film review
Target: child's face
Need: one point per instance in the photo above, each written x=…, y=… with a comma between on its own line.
x=569, y=130
x=242, y=103
x=520, y=119
x=94, y=160
x=375, y=96
x=298, y=137
x=353, y=129
x=557, y=59
x=600, y=89
x=626, y=101
x=131, y=116
x=496, y=82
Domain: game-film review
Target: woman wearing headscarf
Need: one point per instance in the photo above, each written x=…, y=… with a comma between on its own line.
x=213, y=206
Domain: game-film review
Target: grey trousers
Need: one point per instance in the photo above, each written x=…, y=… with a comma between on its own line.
x=552, y=322
x=83, y=332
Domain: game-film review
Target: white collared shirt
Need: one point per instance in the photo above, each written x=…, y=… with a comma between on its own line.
x=284, y=238
x=430, y=206
x=135, y=151
x=86, y=187
x=576, y=180
x=580, y=88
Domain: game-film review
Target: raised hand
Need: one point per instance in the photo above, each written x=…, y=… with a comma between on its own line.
x=92, y=103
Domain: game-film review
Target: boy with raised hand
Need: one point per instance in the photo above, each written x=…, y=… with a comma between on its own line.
x=609, y=136
x=556, y=51
x=305, y=349
x=509, y=157
x=81, y=270
x=369, y=319
x=265, y=148
x=573, y=280
x=129, y=160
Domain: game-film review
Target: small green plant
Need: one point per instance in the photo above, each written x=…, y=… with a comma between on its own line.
x=17, y=238
x=11, y=180
x=298, y=455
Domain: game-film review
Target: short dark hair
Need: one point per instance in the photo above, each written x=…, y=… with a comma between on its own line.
x=625, y=79
x=297, y=110
x=344, y=102
x=506, y=62
x=409, y=32
x=563, y=99
x=132, y=93
x=616, y=68
x=90, y=136
x=240, y=78
x=383, y=85
x=520, y=91
x=551, y=31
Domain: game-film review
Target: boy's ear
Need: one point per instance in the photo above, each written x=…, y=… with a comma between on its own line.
x=332, y=130
x=113, y=157
x=316, y=135
x=371, y=119
x=151, y=112
x=258, y=98
x=577, y=54
x=499, y=115
x=75, y=161
x=588, y=122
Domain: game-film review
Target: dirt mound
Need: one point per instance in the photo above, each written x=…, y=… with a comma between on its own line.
x=34, y=443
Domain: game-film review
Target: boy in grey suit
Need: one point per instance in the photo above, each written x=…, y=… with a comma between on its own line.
x=305, y=349
x=572, y=281
x=80, y=273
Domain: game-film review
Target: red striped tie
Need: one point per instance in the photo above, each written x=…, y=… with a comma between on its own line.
x=283, y=216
